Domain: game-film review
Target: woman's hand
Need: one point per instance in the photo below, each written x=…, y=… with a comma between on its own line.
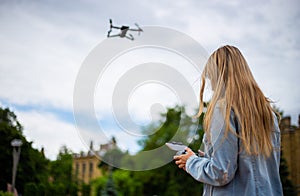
x=181, y=159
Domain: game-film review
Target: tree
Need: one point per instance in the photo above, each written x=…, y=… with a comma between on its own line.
x=169, y=180
x=61, y=168
x=61, y=172
x=287, y=185
x=30, y=189
x=110, y=188
x=5, y=193
x=165, y=132
x=111, y=157
x=33, y=166
x=166, y=180
x=126, y=184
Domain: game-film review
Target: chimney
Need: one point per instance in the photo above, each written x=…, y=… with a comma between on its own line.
x=91, y=146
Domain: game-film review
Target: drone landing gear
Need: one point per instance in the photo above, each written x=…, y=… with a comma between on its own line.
x=130, y=37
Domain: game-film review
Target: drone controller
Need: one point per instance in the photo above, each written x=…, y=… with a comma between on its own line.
x=180, y=148
x=177, y=146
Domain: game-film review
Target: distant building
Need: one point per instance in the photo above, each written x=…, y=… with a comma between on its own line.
x=290, y=145
x=85, y=165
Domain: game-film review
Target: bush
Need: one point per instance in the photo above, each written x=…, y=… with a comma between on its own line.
x=5, y=194
x=41, y=189
x=30, y=189
x=86, y=190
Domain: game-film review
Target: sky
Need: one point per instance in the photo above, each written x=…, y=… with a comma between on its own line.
x=44, y=44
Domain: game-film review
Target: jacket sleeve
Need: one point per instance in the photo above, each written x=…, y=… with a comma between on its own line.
x=219, y=167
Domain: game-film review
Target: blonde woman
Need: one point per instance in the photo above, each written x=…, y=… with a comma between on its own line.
x=242, y=138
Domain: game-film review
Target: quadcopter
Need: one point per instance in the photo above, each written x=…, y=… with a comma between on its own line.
x=123, y=31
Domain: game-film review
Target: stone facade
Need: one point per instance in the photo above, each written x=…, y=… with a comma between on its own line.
x=85, y=165
x=290, y=145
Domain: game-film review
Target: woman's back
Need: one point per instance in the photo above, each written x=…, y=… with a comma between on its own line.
x=226, y=169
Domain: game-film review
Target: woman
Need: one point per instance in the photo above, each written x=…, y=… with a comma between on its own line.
x=242, y=138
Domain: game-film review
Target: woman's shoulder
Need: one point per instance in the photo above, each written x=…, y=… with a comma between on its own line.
x=276, y=121
x=220, y=108
x=220, y=104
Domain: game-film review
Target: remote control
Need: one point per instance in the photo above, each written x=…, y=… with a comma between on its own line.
x=177, y=146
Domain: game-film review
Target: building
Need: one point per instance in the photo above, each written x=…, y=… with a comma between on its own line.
x=85, y=165
x=290, y=145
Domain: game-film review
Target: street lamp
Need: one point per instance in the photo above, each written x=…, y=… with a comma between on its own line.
x=16, y=144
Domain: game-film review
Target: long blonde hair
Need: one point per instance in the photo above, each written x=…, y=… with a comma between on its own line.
x=235, y=87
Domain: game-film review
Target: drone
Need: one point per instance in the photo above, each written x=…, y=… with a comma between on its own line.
x=123, y=31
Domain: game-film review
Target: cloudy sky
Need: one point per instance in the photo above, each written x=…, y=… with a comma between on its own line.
x=44, y=43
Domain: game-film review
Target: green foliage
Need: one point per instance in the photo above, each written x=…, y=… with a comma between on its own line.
x=55, y=189
x=109, y=189
x=5, y=193
x=61, y=168
x=33, y=169
x=126, y=184
x=166, y=180
x=86, y=190
x=31, y=160
x=165, y=132
x=113, y=156
x=287, y=185
x=72, y=189
x=99, y=185
x=41, y=189
x=63, y=181
x=30, y=189
x=178, y=126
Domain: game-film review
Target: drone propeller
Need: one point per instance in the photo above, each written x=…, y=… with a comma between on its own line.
x=110, y=28
x=110, y=22
x=139, y=28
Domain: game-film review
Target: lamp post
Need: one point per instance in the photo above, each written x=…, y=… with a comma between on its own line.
x=16, y=144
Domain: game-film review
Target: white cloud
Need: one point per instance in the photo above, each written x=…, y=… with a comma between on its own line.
x=46, y=130
x=40, y=58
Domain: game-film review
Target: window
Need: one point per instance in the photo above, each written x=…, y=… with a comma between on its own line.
x=83, y=168
x=91, y=169
x=77, y=169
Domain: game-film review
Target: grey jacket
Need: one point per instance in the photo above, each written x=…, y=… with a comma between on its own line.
x=225, y=170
